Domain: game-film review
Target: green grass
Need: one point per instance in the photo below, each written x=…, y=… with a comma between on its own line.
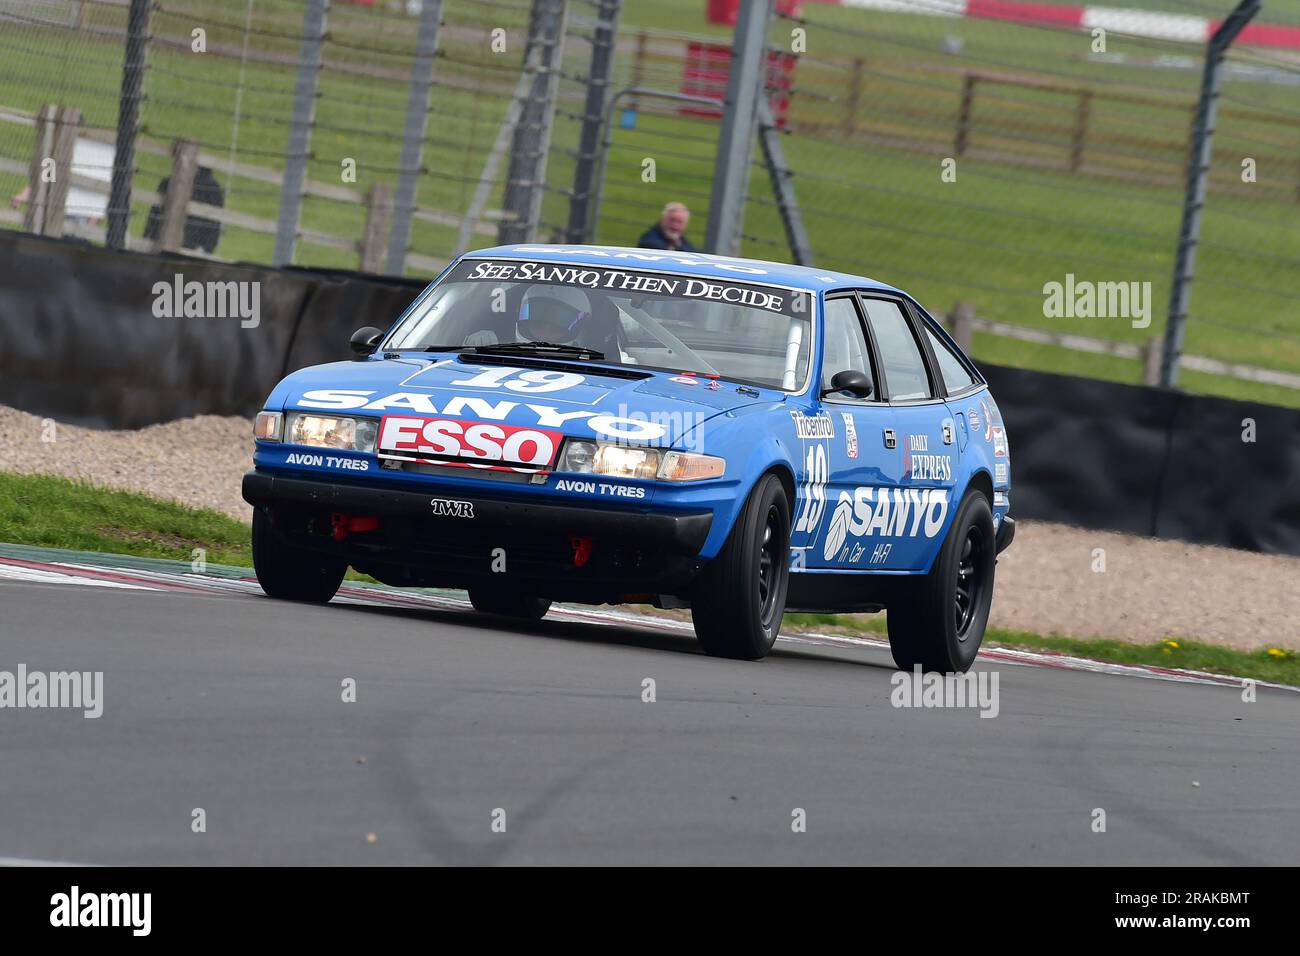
x=1278, y=665
x=52, y=512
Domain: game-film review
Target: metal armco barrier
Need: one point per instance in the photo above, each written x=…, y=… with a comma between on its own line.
x=80, y=343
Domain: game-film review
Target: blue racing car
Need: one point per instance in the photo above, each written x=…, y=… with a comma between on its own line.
x=606, y=425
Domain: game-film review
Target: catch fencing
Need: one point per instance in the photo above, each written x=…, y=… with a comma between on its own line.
x=976, y=153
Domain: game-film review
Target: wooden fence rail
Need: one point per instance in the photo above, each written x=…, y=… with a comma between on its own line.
x=57, y=129
x=962, y=323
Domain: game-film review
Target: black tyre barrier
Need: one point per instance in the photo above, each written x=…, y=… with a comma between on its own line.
x=81, y=339
x=1149, y=461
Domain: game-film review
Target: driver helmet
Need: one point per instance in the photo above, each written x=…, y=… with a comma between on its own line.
x=554, y=314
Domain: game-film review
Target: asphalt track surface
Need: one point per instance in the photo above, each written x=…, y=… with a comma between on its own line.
x=232, y=702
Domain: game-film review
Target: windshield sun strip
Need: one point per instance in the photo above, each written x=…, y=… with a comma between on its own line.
x=813, y=343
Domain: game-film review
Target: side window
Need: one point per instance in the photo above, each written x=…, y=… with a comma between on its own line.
x=955, y=375
x=900, y=355
x=845, y=344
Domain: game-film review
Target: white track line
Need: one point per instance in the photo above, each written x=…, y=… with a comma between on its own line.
x=34, y=576
x=23, y=861
x=414, y=600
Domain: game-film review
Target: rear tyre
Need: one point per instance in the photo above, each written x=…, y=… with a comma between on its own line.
x=291, y=573
x=740, y=594
x=939, y=622
x=521, y=606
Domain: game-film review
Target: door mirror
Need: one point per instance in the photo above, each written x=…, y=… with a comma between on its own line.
x=853, y=381
x=365, y=340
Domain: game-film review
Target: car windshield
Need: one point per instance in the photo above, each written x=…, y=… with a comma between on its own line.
x=736, y=330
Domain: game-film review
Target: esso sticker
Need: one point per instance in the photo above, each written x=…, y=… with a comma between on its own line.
x=475, y=444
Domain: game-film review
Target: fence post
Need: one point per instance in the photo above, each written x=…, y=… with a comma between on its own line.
x=1151, y=361
x=769, y=141
x=128, y=122
x=745, y=82
x=1198, y=167
x=487, y=177
x=961, y=324
x=417, y=117
x=522, y=202
x=638, y=65
x=304, y=116
x=180, y=189
x=38, y=189
x=854, y=98
x=604, y=37
x=379, y=213
x=1080, y=129
x=67, y=120
x=964, y=112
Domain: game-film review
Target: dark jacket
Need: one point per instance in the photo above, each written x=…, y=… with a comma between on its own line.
x=200, y=232
x=654, y=238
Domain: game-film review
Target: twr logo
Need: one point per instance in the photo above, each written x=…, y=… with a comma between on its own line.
x=450, y=508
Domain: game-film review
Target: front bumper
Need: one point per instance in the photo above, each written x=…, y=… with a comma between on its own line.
x=454, y=538
x=681, y=532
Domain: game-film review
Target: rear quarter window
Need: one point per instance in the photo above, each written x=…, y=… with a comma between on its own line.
x=956, y=377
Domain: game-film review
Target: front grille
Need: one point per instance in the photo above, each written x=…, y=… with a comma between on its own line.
x=452, y=471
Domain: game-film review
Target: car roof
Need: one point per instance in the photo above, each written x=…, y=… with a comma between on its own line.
x=688, y=263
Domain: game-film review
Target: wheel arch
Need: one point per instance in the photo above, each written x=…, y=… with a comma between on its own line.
x=782, y=471
x=768, y=456
x=982, y=481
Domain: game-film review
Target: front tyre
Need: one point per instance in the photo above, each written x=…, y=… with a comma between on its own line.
x=291, y=573
x=520, y=606
x=740, y=595
x=939, y=623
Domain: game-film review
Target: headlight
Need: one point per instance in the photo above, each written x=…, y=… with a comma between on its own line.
x=628, y=461
x=577, y=456
x=267, y=426
x=624, y=461
x=329, y=431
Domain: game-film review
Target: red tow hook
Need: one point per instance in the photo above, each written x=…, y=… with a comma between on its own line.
x=345, y=525
x=581, y=550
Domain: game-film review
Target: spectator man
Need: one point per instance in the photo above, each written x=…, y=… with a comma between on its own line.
x=200, y=232
x=669, y=232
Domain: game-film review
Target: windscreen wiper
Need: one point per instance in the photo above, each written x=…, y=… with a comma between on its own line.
x=540, y=348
